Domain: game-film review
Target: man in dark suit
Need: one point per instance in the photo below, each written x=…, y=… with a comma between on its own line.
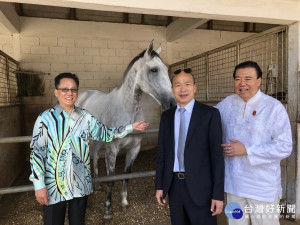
x=190, y=164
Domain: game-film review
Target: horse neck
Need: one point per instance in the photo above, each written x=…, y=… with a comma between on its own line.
x=131, y=93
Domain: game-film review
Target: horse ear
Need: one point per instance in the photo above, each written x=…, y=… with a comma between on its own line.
x=150, y=48
x=158, y=49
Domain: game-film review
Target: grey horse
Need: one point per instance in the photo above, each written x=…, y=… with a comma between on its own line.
x=145, y=73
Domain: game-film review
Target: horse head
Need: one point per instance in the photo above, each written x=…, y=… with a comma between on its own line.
x=153, y=77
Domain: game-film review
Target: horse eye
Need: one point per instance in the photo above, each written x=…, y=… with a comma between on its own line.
x=154, y=70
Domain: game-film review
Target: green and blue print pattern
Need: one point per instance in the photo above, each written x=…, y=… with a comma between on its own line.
x=60, y=158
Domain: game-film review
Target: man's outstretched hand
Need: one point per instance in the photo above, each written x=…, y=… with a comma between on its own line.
x=141, y=125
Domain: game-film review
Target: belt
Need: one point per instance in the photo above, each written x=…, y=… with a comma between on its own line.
x=180, y=175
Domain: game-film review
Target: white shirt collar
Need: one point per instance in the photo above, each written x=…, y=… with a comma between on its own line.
x=189, y=107
x=254, y=98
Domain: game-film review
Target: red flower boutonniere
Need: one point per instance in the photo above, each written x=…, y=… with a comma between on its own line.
x=254, y=113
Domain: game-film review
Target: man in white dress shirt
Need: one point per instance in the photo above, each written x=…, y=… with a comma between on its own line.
x=256, y=137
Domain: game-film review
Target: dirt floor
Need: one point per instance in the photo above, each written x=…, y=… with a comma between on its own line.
x=22, y=209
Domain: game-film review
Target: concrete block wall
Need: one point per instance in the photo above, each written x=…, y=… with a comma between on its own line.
x=98, y=59
x=6, y=44
x=99, y=54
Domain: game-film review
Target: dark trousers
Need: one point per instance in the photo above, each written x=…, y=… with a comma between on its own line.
x=183, y=210
x=55, y=214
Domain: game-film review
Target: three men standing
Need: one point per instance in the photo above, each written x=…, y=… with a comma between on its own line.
x=190, y=163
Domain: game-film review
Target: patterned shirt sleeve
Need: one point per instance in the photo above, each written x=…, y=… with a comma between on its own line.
x=38, y=147
x=100, y=132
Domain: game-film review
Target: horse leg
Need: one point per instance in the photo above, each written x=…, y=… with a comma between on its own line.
x=130, y=157
x=96, y=156
x=110, y=161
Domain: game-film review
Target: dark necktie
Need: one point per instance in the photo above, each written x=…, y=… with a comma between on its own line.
x=181, y=140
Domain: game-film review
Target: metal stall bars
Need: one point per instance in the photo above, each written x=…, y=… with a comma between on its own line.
x=17, y=189
x=213, y=69
x=8, y=80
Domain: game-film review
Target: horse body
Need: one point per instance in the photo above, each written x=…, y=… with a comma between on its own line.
x=122, y=106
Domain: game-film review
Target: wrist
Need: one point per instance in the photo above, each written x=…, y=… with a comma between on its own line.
x=39, y=184
x=129, y=128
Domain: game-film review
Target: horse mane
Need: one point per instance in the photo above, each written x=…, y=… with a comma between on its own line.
x=141, y=55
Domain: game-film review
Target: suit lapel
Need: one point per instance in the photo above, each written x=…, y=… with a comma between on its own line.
x=193, y=122
x=172, y=125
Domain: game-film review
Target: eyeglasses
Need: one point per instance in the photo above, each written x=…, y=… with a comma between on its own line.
x=186, y=70
x=66, y=90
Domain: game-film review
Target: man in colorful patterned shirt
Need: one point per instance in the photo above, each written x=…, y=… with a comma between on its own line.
x=256, y=136
x=60, y=161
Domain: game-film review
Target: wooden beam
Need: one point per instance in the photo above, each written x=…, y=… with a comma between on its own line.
x=182, y=26
x=9, y=18
x=19, y=9
x=282, y=12
x=142, y=19
x=247, y=27
x=125, y=17
x=254, y=27
x=210, y=25
x=72, y=15
x=170, y=20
